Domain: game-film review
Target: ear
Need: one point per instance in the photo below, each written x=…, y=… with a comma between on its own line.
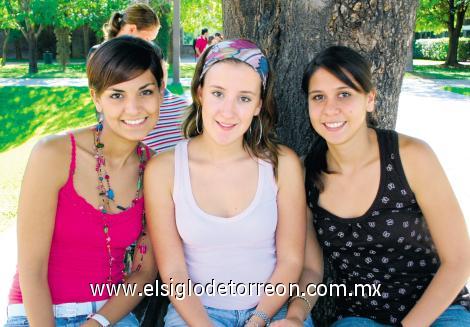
x=199, y=93
x=371, y=100
x=131, y=28
x=95, y=99
x=258, y=109
x=162, y=89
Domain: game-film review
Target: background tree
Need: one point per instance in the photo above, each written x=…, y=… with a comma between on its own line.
x=31, y=16
x=176, y=33
x=7, y=23
x=440, y=15
x=197, y=14
x=292, y=32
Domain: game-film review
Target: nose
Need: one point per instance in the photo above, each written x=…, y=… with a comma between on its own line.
x=229, y=106
x=133, y=106
x=331, y=107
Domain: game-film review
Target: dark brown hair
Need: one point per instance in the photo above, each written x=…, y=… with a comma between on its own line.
x=138, y=14
x=122, y=59
x=353, y=70
x=267, y=148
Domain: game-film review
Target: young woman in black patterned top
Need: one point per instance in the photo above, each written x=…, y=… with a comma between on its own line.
x=383, y=209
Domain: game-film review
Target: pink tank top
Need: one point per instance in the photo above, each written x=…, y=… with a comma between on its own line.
x=78, y=254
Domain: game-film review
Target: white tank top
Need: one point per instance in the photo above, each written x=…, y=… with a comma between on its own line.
x=231, y=251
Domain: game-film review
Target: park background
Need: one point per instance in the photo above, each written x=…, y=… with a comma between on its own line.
x=43, y=81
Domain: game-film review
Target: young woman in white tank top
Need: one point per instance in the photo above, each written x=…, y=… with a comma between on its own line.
x=226, y=210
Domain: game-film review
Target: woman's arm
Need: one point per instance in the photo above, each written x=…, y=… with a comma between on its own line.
x=165, y=239
x=118, y=306
x=311, y=274
x=290, y=231
x=45, y=174
x=447, y=227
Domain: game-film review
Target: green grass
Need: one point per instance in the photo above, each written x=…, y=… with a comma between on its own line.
x=459, y=90
x=20, y=70
x=27, y=113
x=30, y=111
x=439, y=72
x=186, y=70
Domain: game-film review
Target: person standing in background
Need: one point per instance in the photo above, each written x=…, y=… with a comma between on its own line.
x=201, y=42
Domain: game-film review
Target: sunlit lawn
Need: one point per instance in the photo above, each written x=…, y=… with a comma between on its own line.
x=459, y=90
x=28, y=113
x=20, y=70
x=74, y=70
x=433, y=70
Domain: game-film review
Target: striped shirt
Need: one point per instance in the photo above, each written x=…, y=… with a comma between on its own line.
x=168, y=132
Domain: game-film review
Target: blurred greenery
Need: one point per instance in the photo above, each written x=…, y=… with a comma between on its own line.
x=33, y=111
x=459, y=90
x=20, y=70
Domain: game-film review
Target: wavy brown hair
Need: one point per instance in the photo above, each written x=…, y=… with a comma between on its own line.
x=268, y=146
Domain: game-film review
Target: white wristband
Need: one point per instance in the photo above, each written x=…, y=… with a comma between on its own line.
x=100, y=319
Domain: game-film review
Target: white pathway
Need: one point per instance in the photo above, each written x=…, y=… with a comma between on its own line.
x=439, y=117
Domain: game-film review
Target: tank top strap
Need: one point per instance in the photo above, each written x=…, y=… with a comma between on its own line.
x=74, y=154
x=181, y=165
x=391, y=166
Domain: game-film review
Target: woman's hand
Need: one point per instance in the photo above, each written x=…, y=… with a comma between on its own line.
x=288, y=322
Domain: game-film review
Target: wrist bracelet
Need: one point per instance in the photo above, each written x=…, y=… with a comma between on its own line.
x=259, y=314
x=306, y=301
x=99, y=319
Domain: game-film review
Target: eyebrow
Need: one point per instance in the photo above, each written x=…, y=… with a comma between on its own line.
x=338, y=88
x=243, y=91
x=140, y=88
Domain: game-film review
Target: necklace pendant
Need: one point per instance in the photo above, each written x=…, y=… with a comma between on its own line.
x=110, y=194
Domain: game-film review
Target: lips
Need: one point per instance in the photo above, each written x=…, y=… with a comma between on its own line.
x=225, y=126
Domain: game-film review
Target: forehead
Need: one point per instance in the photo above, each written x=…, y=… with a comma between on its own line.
x=323, y=78
x=233, y=73
x=136, y=82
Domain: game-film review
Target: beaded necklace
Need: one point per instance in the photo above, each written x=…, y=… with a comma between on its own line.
x=107, y=195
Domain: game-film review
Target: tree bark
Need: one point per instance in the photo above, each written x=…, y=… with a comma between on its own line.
x=454, y=27
x=86, y=40
x=32, y=52
x=4, y=47
x=293, y=32
x=176, y=41
x=18, y=53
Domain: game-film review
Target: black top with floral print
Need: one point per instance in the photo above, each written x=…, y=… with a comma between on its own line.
x=389, y=245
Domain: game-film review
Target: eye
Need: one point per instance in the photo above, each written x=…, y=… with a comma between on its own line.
x=245, y=99
x=217, y=94
x=147, y=92
x=116, y=96
x=344, y=94
x=317, y=97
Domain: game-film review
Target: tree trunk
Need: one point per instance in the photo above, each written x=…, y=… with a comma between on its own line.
x=293, y=32
x=86, y=40
x=455, y=13
x=409, y=56
x=18, y=53
x=62, y=35
x=4, y=47
x=176, y=41
x=32, y=52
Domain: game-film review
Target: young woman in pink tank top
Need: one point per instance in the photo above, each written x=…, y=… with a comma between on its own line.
x=228, y=206
x=81, y=202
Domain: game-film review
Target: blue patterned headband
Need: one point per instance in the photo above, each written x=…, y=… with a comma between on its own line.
x=240, y=49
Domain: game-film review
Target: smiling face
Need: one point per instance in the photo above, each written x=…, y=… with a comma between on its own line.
x=130, y=109
x=336, y=110
x=230, y=98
